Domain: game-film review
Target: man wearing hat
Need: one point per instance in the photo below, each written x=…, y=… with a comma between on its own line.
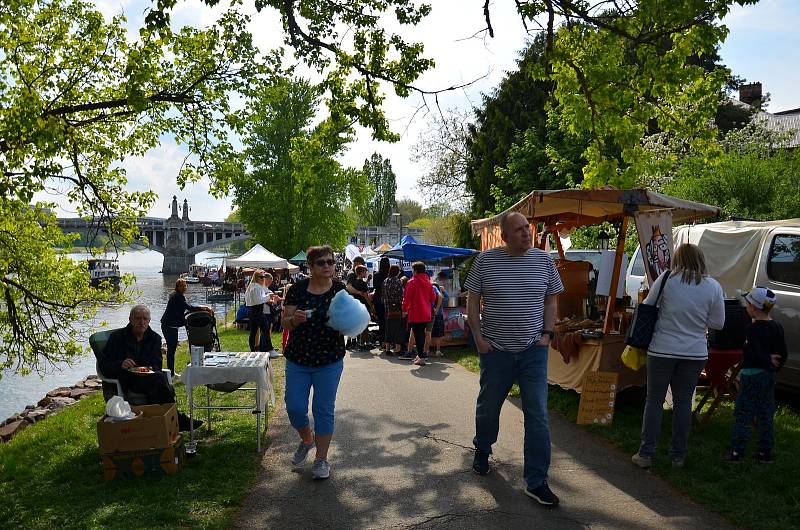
x=764, y=353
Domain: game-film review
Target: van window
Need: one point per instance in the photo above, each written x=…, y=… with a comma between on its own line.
x=784, y=259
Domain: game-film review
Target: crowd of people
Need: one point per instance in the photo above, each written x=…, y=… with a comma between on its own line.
x=512, y=325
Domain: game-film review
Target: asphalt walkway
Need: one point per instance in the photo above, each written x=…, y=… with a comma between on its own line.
x=401, y=459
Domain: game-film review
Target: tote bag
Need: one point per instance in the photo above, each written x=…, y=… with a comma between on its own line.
x=640, y=332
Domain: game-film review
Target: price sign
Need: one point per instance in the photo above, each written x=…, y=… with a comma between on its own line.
x=597, y=399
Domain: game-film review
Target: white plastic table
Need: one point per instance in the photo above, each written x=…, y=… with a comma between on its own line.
x=233, y=367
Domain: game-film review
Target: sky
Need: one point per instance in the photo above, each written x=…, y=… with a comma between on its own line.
x=762, y=46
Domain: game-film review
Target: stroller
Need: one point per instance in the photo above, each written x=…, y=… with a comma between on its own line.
x=201, y=330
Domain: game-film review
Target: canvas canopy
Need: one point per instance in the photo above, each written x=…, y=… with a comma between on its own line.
x=298, y=258
x=565, y=209
x=262, y=258
x=589, y=207
x=410, y=250
x=731, y=248
x=368, y=252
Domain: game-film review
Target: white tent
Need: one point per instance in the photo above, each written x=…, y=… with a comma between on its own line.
x=262, y=258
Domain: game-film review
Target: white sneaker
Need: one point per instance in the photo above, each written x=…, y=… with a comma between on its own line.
x=321, y=470
x=273, y=353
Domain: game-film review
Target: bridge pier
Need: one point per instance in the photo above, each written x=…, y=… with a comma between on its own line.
x=177, y=263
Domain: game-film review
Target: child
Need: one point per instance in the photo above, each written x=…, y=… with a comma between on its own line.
x=764, y=353
x=437, y=327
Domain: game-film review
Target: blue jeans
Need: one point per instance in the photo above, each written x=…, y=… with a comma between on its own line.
x=755, y=402
x=528, y=368
x=299, y=381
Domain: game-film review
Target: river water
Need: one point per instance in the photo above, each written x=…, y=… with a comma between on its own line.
x=154, y=289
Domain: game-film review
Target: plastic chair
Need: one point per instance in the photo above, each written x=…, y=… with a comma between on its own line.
x=112, y=387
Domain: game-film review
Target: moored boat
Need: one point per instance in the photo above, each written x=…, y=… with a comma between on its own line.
x=103, y=269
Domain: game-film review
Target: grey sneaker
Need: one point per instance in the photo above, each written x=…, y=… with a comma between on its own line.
x=302, y=453
x=642, y=461
x=678, y=461
x=274, y=354
x=321, y=470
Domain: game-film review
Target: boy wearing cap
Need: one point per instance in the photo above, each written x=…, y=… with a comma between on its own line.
x=764, y=353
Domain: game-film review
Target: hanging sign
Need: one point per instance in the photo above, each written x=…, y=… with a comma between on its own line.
x=655, y=241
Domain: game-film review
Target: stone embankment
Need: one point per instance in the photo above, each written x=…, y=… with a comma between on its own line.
x=52, y=402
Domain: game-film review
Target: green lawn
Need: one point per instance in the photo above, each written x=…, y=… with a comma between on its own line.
x=749, y=494
x=50, y=474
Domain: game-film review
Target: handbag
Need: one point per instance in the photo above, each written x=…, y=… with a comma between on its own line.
x=640, y=332
x=634, y=358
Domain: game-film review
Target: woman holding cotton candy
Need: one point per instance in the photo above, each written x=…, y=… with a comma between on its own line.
x=314, y=356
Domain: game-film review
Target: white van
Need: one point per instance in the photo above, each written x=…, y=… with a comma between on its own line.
x=744, y=254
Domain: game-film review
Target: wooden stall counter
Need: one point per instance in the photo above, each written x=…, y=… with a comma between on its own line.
x=593, y=355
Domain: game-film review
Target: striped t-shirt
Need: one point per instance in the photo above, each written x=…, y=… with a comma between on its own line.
x=513, y=289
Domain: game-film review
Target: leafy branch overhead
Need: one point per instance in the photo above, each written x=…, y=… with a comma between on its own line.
x=625, y=69
x=77, y=98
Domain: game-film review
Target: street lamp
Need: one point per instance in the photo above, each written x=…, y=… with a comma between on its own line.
x=399, y=217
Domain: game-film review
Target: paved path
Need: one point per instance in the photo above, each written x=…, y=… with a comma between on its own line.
x=401, y=459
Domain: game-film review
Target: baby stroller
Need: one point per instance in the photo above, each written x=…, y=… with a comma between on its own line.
x=201, y=330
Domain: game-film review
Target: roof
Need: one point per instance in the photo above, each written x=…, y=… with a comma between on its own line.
x=258, y=256
x=779, y=122
x=588, y=207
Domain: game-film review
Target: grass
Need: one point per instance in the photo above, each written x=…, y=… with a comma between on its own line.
x=749, y=494
x=50, y=474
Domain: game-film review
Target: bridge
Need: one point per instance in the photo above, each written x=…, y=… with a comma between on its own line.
x=178, y=238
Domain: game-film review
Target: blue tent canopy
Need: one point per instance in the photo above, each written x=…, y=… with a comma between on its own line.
x=409, y=250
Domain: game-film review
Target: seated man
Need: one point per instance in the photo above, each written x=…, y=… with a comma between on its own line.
x=135, y=347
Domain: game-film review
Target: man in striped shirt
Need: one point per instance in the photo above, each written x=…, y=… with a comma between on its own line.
x=511, y=310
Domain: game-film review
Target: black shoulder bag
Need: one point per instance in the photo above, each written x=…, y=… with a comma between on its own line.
x=640, y=332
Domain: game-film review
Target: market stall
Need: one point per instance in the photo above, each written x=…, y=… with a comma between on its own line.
x=262, y=258
x=593, y=340
x=456, y=331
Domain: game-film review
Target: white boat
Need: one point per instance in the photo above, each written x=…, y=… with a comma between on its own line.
x=189, y=278
x=102, y=269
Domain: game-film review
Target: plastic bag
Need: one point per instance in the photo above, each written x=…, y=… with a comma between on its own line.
x=118, y=409
x=634, y=358
x=347, y=315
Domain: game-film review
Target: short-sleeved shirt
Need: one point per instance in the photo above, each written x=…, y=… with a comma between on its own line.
x=513, y=289
x=313, y=343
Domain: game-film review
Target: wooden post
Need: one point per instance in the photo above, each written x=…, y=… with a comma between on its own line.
x=612, y=293
x=558, y=245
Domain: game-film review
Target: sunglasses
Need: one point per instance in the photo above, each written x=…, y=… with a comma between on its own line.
x=323, y=262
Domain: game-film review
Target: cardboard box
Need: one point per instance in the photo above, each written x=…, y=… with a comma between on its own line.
x=127, y=464
x=155, y=427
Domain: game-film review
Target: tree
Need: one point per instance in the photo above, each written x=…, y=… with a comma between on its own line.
x=409, y=209
x=442, y=149
x=439, y=232
x=296, y=194
x=382, y=184
x=517, y=105
x=755, y=177
x=623, y=70
x=76, y=99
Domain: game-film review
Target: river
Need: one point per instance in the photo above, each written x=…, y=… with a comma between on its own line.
x=17, y=391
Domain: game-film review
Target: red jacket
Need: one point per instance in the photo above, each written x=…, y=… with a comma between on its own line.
x=418, y=298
